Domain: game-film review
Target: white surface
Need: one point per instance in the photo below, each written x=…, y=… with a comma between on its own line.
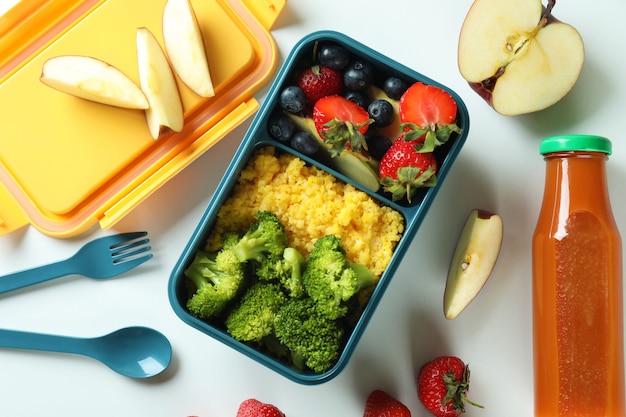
x=499, y=169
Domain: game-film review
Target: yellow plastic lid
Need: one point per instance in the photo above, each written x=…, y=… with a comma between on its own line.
x=66, y=163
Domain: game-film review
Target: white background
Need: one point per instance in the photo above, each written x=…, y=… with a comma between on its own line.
x=499, y=169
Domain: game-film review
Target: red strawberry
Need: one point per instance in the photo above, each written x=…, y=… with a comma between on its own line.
x=428, y=112
x=381, y=404
x=255, y=408
x=403, y=169
x=442, y=386
x=341, y=123
x=319, y=81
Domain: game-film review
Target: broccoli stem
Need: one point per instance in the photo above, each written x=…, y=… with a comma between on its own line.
x=363, y=274
x=296, y=261
x=298, y=360
x=198, y=280
x=203, y=270
x=249, y=248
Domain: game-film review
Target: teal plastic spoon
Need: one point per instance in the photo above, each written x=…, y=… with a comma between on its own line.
x=135, y=352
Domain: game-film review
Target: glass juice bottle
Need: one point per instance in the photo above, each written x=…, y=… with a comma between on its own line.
x=577, y=285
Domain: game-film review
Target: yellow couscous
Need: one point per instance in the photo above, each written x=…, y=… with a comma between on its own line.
x=310, y=203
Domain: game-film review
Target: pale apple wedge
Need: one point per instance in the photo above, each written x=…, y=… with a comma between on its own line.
x=92, y=79
x=517, y=56
x=185, y=47
x=473, y=260
x=159, y=85
x=355, y=166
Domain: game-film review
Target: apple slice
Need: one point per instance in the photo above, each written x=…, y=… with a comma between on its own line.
x=517, y=56
x=185, y=48
x=353, y=165
x=159, y=85
x=92, y=79
x=473, y=260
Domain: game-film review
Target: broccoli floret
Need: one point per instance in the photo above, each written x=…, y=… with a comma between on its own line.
x=331, y=279
x=230, y=239
x=265, y=237
x=286, y=269
x=312, y=338
x=217, y=277
x=253, y=317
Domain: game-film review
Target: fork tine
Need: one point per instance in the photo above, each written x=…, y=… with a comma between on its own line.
x=129, y=254
x=128, y=246
x=127, y=265
x=122, y=239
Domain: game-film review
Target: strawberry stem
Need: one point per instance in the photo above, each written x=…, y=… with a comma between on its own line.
x=456, y=393
x=433, y=136
x=314, y=57
x=339, y=134
x=409, y=180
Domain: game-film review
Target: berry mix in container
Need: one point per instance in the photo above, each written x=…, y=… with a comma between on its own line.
x=378, y=128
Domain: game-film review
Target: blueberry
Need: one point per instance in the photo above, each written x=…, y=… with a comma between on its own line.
x=358, y=97
x=394, y=87
x=333, y=56
x=305, y=142
x=382, y=112
x=292, y=99
x=358, y=76
x=377, y=145
x=281, y=127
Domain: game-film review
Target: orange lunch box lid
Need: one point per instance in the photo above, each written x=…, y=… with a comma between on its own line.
x=66, y=163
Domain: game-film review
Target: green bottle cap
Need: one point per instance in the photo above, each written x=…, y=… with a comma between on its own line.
x=587, y=143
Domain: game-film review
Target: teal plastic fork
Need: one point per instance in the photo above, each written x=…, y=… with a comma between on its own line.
x=102, y=258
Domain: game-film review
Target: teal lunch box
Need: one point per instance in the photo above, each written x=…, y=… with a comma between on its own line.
x=256, y=137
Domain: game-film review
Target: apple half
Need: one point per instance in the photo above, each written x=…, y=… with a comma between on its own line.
x=473, y=260
x=185, y=48
x=517, y=56
x=157, y=81
x=92, y=79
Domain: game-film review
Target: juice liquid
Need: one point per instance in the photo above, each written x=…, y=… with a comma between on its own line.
x=577, y=293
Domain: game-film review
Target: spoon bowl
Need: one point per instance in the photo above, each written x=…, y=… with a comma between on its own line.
x=134, y=352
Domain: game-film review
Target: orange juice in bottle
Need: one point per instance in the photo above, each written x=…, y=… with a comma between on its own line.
x=577, y=285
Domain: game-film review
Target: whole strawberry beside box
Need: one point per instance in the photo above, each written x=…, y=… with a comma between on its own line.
x=335, y=108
